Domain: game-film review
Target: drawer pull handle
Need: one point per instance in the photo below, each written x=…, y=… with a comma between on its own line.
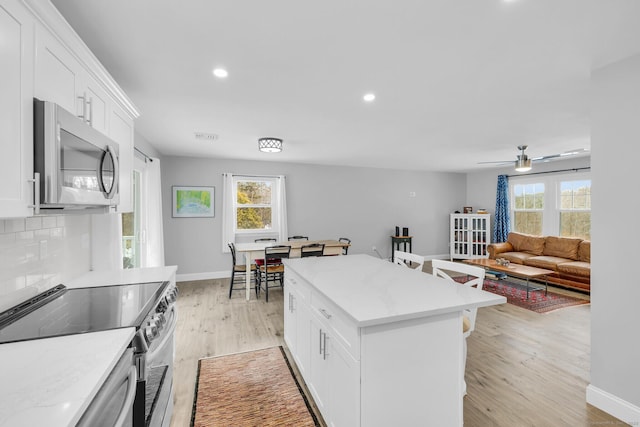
x=324, y=313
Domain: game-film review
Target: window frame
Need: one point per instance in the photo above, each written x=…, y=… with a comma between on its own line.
x=275, y=216
x=552, y=196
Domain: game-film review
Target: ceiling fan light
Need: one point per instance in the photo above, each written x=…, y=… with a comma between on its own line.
x=523, y=165
x=270, y=145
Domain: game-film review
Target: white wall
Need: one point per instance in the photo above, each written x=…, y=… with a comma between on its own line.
x=615, y=293
x=324, y=202
x=41, y=252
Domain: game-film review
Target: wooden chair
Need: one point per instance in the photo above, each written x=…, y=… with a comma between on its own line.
x=408, y=259
x=260, y=261
x=290, y=238
x=272, y=269
x=314, y=249
x=474, y=277
x=346, y=248
x=238, y=272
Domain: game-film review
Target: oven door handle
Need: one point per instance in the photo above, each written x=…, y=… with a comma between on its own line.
x=128, y=401
x=167, y=336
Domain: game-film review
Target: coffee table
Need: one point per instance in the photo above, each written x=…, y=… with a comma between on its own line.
x=516, y=270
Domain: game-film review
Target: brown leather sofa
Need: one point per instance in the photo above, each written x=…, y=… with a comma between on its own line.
x=568, y=257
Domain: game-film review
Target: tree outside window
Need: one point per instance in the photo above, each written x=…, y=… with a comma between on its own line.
x=254, y=200
x=575, y=209
x=528, y=208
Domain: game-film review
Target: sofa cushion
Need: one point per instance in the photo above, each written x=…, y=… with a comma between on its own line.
x=515, y=257
x=533, y=245
x=548, y=262
x=584, y=251
x=562, y=247
x=576, y=268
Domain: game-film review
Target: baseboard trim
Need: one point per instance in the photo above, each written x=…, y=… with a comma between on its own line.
x=613, y=405
x=203, y=276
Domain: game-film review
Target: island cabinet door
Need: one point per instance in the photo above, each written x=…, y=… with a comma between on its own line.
x=290, y=325
x=318, y=382
x=343, y=386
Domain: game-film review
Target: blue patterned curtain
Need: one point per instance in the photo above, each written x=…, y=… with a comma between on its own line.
x=502, y=221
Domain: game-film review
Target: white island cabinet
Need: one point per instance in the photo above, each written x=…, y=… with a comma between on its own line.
x=376, y=343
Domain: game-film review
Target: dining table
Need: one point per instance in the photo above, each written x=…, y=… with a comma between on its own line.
x=255, y=250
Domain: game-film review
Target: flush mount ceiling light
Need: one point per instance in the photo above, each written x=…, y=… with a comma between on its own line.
x=523, y=164
x=369, y=97
x=221, y=73
x=270, y=145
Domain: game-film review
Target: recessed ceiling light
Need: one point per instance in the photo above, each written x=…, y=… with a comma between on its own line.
x=369, y=97
x=206, y=136
x=221, y=73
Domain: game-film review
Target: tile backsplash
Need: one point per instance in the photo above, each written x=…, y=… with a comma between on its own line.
x=40, y=252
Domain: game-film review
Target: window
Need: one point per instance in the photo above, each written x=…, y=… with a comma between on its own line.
x=254, y=205
x=556, y=205
x=528, y=208
x=575, y=208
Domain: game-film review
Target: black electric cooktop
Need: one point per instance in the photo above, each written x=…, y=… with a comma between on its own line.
x=74, y=311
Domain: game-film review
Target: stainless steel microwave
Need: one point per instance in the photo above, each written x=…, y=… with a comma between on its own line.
x=76, y=164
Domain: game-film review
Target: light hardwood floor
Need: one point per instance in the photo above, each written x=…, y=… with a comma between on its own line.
x=523, y=368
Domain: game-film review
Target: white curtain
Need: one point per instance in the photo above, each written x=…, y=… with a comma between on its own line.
x=282, y=208
x=153, y=235
x=227, y=211
x=228, y=214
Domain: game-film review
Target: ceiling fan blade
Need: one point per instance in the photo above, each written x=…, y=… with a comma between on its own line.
x=565, y=154
x=500, y=162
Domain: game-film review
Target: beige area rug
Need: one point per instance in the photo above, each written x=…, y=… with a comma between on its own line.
x=256, y=388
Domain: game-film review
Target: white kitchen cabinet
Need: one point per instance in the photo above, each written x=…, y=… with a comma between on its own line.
x=16, y=110
x=58, y=75
x=296, y=320
x=121, y=131
x=470, y=235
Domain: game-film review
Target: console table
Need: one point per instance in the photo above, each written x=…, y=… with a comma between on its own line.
x=395, y=244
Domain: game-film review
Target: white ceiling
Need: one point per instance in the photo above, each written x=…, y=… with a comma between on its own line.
x=457, y=81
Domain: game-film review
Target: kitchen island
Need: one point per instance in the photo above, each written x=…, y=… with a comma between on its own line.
x=378, y=344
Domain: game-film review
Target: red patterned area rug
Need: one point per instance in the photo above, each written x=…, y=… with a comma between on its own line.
x=256, y=388
x=516, y=294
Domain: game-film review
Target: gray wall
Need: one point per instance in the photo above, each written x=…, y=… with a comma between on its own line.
x=615, y=341
x=324, y=202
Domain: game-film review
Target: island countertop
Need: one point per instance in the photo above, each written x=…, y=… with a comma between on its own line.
x=373, y=291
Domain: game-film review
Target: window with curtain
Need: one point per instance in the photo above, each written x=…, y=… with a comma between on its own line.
x=556, y=205
x=253, y=207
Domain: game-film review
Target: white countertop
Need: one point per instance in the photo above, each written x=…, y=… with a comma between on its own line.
x=122, y=277
x=374, y=291
x=50, y=382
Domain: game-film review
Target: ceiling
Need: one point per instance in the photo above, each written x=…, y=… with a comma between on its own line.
x=456, y=82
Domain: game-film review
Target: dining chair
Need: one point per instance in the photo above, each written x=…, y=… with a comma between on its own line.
x=260, y=261
x=290, y=238
x=345, y=249
x=407, y=259
x=272, y=269
x=239, y=272
x=313, y=249
x=472, y=277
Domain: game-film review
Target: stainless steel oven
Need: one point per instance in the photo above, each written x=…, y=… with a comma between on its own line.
x=148, y=307
x=113, y=405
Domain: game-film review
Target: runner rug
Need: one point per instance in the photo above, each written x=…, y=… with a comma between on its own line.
x=256, y=388
x=516, y=294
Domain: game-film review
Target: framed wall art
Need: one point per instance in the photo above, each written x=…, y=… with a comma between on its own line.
x=193, y=202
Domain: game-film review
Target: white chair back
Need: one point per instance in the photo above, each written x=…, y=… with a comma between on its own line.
x=401, y=258
x=474, y=278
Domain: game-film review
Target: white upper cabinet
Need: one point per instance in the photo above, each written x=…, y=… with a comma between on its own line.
x=42, y=57
x=121, y=131
x=16, y=110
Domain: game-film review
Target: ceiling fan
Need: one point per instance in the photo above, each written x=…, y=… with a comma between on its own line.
x=523, y=162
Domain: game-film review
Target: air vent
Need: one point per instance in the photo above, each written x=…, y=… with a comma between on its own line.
x=206, y=136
